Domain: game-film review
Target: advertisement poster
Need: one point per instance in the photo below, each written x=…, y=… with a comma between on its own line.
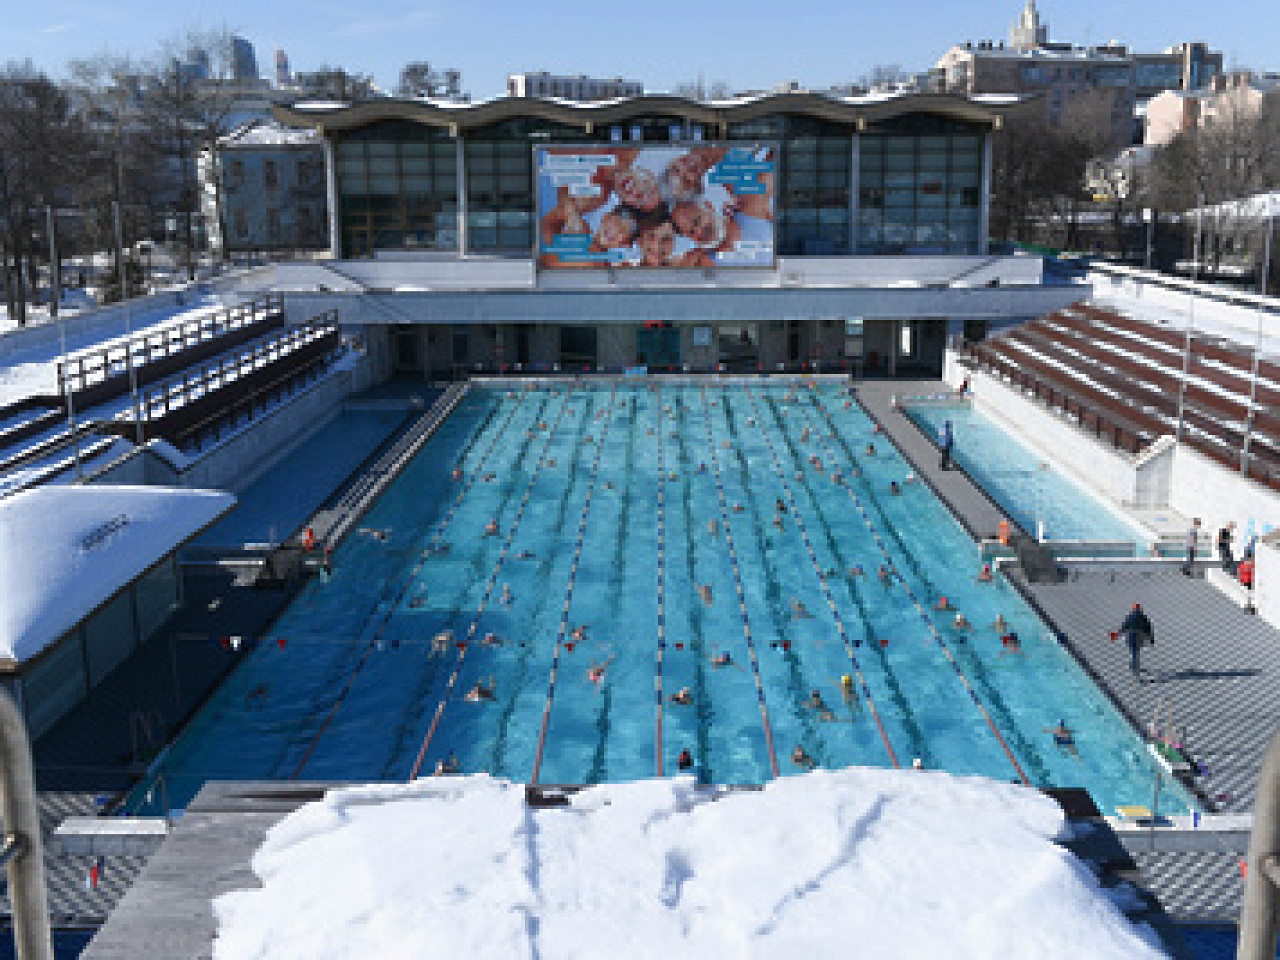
x=666, y=205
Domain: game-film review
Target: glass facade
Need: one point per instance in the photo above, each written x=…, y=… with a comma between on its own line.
x=815, y=170
x=920, y=187
x=397, y=188
x=918, y=182
x=499, y=174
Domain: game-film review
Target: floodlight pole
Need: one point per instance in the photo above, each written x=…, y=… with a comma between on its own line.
x=55, y=266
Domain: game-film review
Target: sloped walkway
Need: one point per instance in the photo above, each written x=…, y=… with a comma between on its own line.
x=1214, y=669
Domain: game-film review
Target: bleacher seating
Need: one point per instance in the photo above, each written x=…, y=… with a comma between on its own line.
x=1130, y=381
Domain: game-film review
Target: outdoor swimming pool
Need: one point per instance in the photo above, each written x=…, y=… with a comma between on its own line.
x=1029, y=488
x=275, y=505
x=650, y=517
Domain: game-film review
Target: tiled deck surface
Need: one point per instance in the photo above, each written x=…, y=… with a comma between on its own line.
x=1214, y=669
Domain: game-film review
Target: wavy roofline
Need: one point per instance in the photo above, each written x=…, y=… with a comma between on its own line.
x=855, y=111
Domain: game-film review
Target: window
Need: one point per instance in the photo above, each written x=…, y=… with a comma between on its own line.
x=905, y=342
x=273, y=226
x=237, y=172
x=242, y=225
x=269, y=176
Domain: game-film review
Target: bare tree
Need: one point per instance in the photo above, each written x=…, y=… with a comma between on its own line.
x=41, y=149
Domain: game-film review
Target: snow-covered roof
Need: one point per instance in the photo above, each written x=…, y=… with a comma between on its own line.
x=270, y=133
x=877, y=863
x=64, y=550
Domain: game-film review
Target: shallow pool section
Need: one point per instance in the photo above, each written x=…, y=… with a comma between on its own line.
x=276, y=504
x=657, y=570
x=1029, y=488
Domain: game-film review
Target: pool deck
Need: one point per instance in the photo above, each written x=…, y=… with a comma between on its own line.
x=1214, y=670
x=977, y=512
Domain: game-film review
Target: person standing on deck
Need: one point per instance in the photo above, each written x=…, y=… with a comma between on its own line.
x=1138, y=633
x=1224, y=547
x=1193, y=542
x=948, y=439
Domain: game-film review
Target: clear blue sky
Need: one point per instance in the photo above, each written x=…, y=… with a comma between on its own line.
x=749, y=43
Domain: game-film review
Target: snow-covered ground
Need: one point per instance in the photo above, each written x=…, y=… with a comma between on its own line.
x=857, y=862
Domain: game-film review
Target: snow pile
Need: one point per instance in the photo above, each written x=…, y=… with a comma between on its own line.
x=869, y=862
x=65, y=550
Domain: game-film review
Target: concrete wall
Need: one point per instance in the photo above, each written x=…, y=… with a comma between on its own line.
x=1203, y=488
x=241, y=459
x=1266, y=591
x=1075, y=451
x=409, y=272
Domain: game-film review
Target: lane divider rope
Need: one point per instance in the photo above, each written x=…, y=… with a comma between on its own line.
x=737, y=582
x=408, y=581
x=568, y=596
x=469, y=639
x=822, y=582
x=920, y=609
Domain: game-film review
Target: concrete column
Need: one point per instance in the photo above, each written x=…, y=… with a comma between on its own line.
x=331, y=198
x=984, y=210
x=895, y=338
x=22, y=846
x=461, y=179
x=855, y=173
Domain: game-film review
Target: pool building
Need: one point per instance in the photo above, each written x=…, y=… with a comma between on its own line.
x=516, y=498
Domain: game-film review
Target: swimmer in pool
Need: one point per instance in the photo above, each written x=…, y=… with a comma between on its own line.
x=480, y=692
x=1000, y=624
x=457, y=473
x=961, y=623
x=685, y=761
x=704, y=591
x=683, y=698
x=506, y=594
x=491, y=528
x=713, y=526
x=1009, y=643
x=491, y=639
x=894, y=488
x=524, y=555
x=800, y=757
x=871, y=449
x=579, y=633
x=798, y=610
x=440, y=643
x=723, y=659
x=448, y=766
x=942, y=603
x=817, y=704
x=884, y=574
x=595, y=672
x=985, y=575
x=1063, y=738
x=374, y=532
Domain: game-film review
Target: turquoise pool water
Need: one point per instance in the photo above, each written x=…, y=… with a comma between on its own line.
x=277, y=503
x=1022, y=482
x=647, y=516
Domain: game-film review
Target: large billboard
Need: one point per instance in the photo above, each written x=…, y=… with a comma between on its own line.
x=670, y=205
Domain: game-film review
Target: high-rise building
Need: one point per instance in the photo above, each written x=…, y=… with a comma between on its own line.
x=580, y=88
x=283, y=77
x=244, y=62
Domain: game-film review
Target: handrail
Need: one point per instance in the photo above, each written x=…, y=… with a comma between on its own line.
x=22, y=849
x=1260, y=910
x=158, y=403
x=88, y=368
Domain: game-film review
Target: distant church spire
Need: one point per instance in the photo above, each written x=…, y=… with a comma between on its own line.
x=1028, y=32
